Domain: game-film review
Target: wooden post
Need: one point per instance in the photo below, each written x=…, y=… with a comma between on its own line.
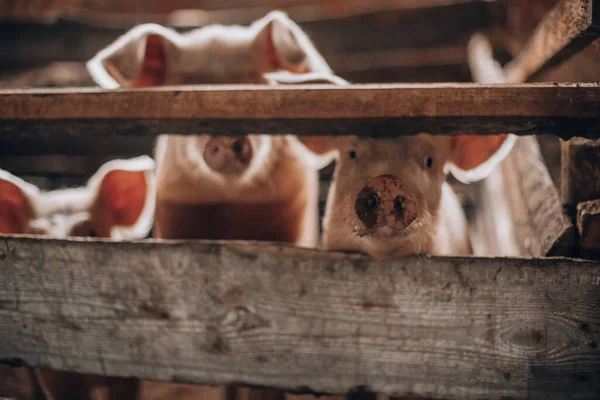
x=588, y=223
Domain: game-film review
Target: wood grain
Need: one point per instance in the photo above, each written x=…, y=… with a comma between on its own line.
x=566, y=29
x=580, y=177
x=364, y=110
x=523, y=213
x=588, y=224
x=275, y=315
x=367, y=26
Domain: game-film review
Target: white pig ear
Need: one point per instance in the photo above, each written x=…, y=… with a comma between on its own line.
x=472, y=157
x=17, y=203
x=281, y=45
x=137, y=59
x=125, y=197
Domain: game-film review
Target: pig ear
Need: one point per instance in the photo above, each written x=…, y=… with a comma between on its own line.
x=282, y=45
x=17, y=202
x=124, y=197
x=318, y=151
x=139, y=58
x=473, y=158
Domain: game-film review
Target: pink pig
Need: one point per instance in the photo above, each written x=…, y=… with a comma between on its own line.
x=390, y=198
x=256, y=187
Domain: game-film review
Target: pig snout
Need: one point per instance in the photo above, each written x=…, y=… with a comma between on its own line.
x=228, y=155
x=386, y=202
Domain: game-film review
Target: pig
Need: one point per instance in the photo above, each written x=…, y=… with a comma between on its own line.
x=117, y=202
x=390, y=198
x=254, y=187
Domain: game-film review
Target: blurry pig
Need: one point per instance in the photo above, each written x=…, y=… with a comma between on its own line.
x=255, y=187
x=389, y=197
x=118, y=202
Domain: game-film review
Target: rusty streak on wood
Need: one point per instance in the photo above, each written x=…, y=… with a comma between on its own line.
x=568, y=28
x=275, y=315
x=364, y=110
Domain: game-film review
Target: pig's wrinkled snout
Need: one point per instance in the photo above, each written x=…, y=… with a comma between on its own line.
x=386, y=202
x=228, y=155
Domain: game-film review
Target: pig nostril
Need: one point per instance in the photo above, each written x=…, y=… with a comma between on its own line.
x=242, y=150
x=214, y=149
x=367, y=207
x=238, y=146
x=371, y=201
x=399, y=205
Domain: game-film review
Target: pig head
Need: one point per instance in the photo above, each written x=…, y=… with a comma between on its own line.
x=390, y=198
x=118, y=202
x=254, y=187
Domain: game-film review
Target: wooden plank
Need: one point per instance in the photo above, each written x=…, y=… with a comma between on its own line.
x=580, y=178
x=275, y=315
x=34, y=44
x=54, y=8
x=541, y=226
x=363, y=110
x=523, y=213
x=588, y=223
x=569, y=27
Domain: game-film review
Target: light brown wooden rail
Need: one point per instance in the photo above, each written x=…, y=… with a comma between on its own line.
x=566, y=110
x=275, y=315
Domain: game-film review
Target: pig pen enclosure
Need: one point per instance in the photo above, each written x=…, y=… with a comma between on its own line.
x=518, y=319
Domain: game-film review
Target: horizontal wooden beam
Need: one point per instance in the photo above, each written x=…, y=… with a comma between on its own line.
x=566, y=110
x=370, y=26
x=275, y=315
x=162, y=11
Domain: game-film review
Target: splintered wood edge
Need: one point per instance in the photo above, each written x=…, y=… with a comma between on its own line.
x=278, y=316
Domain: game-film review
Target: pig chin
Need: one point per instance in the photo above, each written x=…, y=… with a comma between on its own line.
x=385, y=242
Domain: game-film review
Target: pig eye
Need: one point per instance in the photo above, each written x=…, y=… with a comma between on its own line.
x=352, y=155
x=429, y=162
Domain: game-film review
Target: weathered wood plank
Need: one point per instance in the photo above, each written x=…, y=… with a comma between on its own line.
x=588, y=224
x=580, y=175
x=53, y=8
x=523, y=211
x=289, y=318
x=363, y=110
x=569, y=27
x=369, y=26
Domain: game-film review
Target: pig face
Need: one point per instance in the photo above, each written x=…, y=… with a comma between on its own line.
x=151, y=55
x=386, y=195
x=117, y=202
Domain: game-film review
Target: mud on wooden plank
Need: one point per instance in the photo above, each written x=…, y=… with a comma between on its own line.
x=363, y=110
x=275, y=315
